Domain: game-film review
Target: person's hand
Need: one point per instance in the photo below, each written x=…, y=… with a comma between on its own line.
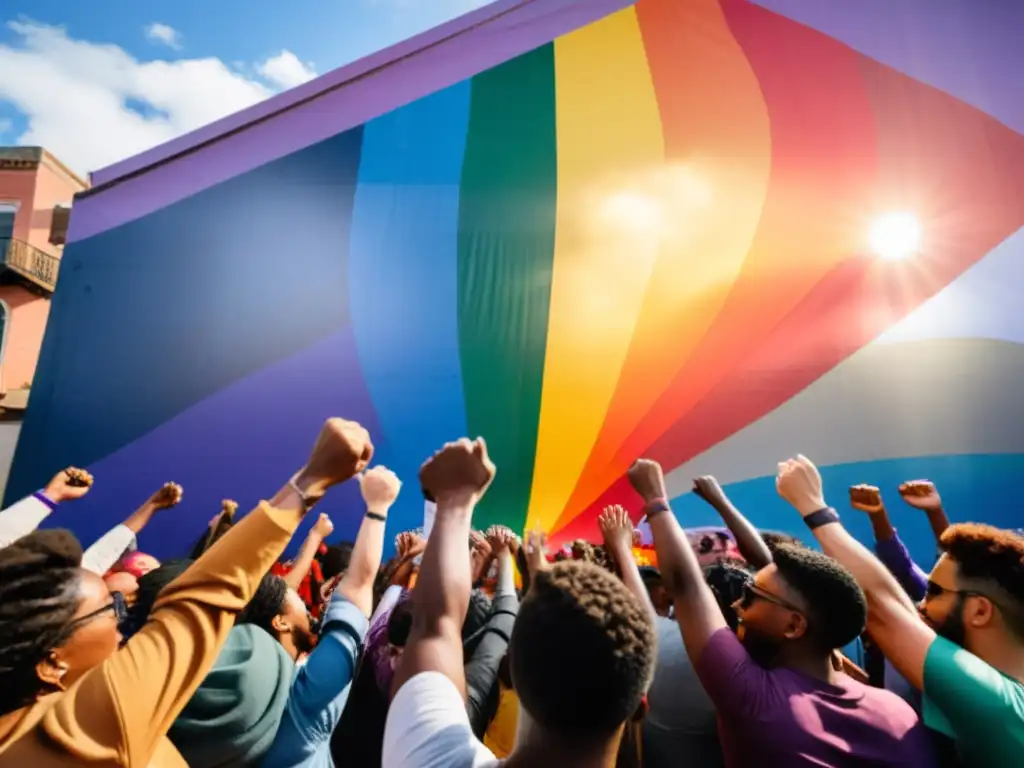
x=866, y=498
x=229, y=507
x=647, y=479
x=169, y=495
x=380, y=487
x=799, y=483
x=480, y=554
x=68, y=484
x=409, y=545
x=342, y=450
x=323, y=527
x=536, y=551
x=617, y=531
x=921, y=494
x=502, y=539
x=458, y=474
x=709, y=490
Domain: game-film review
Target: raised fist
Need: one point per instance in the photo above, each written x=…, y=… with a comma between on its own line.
x=68, y=485
x=536, y=551
x=616, y=529
x=380, y=487
x=342, y=450
x=866, y=498
x=323, y=526
x=921, y=494
x=459, y=472
x=799, y=483
x=707, y=488
x=168, y=496
x=409, y=544
x=647, y=479
x=501, y=537
x=229, y=507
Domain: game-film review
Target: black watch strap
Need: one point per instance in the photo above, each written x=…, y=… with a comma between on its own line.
x=821, y=517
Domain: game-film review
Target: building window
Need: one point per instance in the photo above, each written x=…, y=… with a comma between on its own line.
x=7, y=213
x=59, y=224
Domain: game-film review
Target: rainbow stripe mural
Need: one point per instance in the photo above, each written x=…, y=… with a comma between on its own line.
x=635, y=230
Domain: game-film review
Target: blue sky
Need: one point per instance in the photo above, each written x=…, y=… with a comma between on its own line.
x=96, y=81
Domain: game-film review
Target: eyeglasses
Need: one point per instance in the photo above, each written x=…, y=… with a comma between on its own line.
x=752, y=592
x=117, y=604
x=933, y=590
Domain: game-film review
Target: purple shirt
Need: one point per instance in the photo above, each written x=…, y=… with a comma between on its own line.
x=894, y=555
x=782, y=717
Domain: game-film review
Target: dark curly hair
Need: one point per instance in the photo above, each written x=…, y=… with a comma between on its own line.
x=39, y=579
x=267, y=603
x=727, y=579
x=582, y=651
x=995, y=555
x=776, y=538
x=838, y=608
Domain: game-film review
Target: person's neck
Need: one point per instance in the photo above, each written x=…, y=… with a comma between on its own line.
x=812, y=665
x=537, y=749
x=1002, y=654
x=289, y=646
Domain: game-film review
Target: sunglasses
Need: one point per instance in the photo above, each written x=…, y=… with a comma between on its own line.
x=752, y=593
x=933, y=590
x=117, y=604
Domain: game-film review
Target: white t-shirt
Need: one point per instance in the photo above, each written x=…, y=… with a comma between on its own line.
x=427, y=727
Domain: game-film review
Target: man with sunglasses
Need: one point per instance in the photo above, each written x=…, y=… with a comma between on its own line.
x=781, y=697
x=963, y=646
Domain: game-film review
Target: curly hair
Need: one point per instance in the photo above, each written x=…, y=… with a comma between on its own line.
x=838, y=608
x=986, y=553
x=582, y=652
x=776, y=538
x=727, y=578
x=39, y=579
x=267, y=603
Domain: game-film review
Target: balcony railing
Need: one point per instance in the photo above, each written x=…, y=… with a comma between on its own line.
x=30, y=262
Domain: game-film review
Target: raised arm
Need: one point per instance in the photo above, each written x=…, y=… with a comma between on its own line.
x=697, y=611
x=893, y=621
x=380, y=487
x=923, y=495
x=24, y=516
x=307, y=552
x=457, y=477
x=748, y=539
x=888, y=547
x=617, y=532
x=481, y=670
x=192, y=618
x=109, y=548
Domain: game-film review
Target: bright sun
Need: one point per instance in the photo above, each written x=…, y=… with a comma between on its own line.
x=895, y=236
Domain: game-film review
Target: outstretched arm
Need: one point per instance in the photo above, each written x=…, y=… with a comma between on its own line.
x=108, y=549
x=748, y=539
x=24, y=516
x=304, y=560
x=617, y=532
x=893, y=621
x=697, y=611
x=457, y=477
x=923, y=495
x=380, y=487
x=888, y=547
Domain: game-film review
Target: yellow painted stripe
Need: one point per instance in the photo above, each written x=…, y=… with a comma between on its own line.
x=607, y=237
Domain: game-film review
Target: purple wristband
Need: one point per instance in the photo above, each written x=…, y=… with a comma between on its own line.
x=39, y=495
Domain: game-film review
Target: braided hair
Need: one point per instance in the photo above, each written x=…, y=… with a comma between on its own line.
x=39, y=580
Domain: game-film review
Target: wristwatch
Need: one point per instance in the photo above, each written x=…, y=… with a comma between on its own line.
x=309, y=498
x=821, y=517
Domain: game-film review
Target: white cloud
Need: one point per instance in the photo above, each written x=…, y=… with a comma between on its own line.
x=162, y=33
x=75, y=94
x=287, y=70
x=5, y=126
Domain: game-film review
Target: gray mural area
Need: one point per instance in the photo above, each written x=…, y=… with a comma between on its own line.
x=917, y=398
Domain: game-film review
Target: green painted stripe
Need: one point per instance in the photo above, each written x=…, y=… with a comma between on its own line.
x=506, y=248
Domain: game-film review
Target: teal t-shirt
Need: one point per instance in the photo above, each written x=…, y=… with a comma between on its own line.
x=975, y=704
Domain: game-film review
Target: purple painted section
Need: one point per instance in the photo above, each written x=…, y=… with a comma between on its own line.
x=522, y=27
x=970, y=49
x=242, y=442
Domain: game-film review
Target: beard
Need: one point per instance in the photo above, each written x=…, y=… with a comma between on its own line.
x=952, y=628
x=762, y=648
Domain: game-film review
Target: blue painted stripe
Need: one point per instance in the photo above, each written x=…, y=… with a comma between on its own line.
x=403, y=281
x=974, y=488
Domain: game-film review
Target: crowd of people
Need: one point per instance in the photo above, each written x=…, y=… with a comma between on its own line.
x=737, y=647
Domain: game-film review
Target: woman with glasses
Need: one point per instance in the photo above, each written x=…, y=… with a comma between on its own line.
x=68, y=696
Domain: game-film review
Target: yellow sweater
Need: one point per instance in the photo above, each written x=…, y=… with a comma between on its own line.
x=119, y=713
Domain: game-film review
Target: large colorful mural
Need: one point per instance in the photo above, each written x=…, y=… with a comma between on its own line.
x=647, y=237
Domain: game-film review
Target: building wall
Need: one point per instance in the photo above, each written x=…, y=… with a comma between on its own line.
x=25, y=325
x=9, y=431
x=54, y=186
x=19, y=187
